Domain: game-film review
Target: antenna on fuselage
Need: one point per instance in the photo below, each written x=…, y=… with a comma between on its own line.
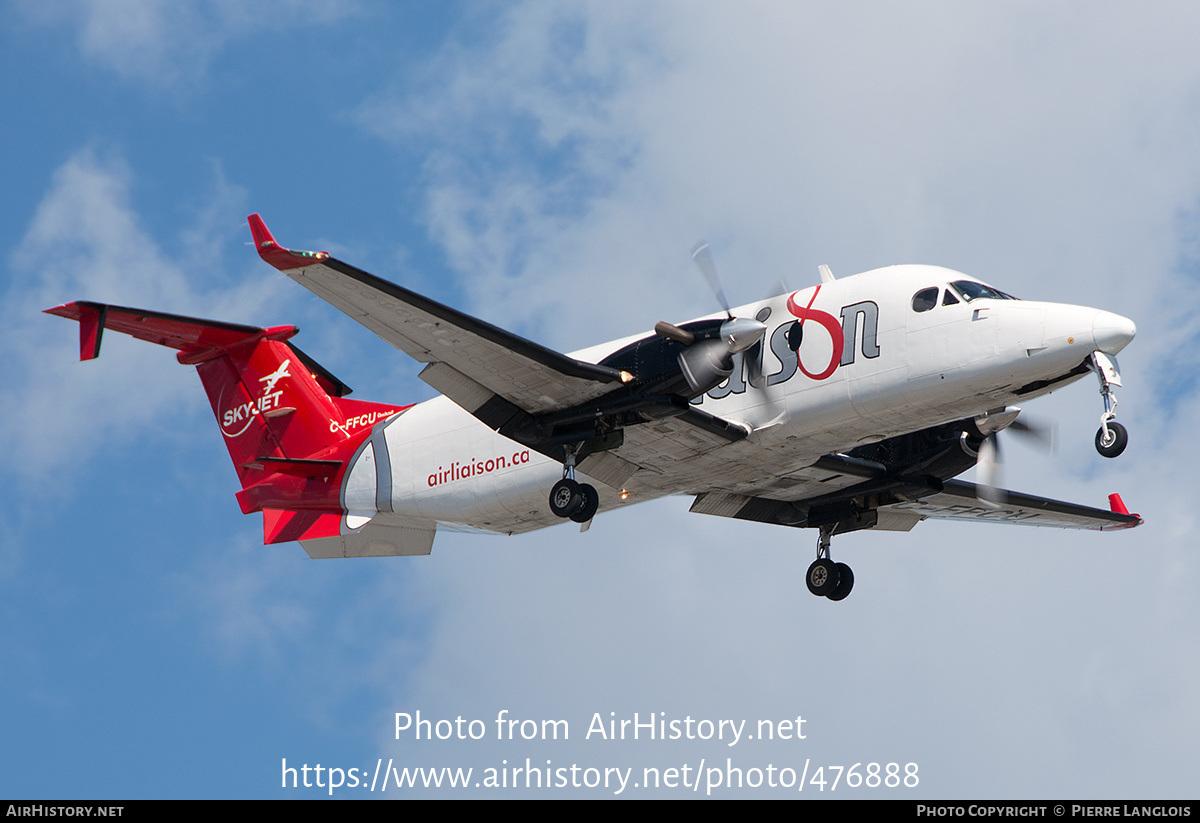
x=826, y=274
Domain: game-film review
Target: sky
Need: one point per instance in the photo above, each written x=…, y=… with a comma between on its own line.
x=548, y=167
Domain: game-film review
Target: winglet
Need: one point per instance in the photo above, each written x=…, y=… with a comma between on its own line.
x=275, y=254
x=262, y=235
x=91, y=317
x=1118, y=507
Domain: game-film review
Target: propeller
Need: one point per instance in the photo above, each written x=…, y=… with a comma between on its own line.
x=708, y=361
x=755, y=374
x=702, y=257
x=988, y=462
x=987, y=472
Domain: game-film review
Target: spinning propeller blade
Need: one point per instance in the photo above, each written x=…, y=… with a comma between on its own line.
x=707, y=361
x=987, y=472
x=703, y=258
x=988, y=462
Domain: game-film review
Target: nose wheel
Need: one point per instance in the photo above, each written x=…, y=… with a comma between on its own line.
x=826, y=578
x=1111, y=438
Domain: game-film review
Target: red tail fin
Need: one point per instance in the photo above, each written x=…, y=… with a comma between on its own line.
x=285, y=420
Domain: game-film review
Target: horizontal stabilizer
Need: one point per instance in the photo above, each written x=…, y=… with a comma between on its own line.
x=196, y=339
x=189, y=335
x=281, y=526
x=375, y=539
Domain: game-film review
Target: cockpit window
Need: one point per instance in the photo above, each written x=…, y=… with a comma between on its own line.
x=949, y=299
x=925, y=299
x=970, y=290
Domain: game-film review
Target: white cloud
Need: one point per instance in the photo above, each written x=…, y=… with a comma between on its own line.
x=576, y=152
x=1048, y=149
x=595, y=143
x=165, y=43
x=86, y=242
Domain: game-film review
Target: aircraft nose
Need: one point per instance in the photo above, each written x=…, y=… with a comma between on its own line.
x=1112, y=332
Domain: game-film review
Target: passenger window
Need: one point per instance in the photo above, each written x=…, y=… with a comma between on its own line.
x=925, y=299
x=949, y=299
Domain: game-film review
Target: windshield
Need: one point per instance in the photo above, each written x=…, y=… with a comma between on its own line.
x=970, y=290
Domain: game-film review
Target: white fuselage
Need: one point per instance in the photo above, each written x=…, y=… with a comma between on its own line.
x=894, y=370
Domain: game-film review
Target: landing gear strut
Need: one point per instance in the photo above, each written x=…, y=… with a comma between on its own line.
x=1111, y=438
x=568, y=498
x=826, y=578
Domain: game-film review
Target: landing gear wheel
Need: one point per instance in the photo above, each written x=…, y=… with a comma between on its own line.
x=1116, y=441
x=822, y=576
x=591, y=502
x=566, y=498
x=845, y=583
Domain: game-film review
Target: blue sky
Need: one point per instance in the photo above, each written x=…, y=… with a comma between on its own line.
x=548, y=167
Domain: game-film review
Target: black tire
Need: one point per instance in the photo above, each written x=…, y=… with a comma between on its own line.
x=565, y=498
x=1119, y=439
x=822, y=577
x=845, y=583
x=591, y=502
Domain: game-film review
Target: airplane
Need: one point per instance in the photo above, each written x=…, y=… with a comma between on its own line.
x=847, y=405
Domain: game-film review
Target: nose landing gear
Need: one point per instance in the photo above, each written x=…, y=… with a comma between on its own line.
x=1111, y=438
x=826, y=578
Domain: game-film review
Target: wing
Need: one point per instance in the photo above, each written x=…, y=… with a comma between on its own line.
x=521, y=389
x=471, y=361
x=959, y=500
x=866, y=497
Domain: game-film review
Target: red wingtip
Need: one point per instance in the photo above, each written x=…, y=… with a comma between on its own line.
x=91, y=317
x=275, y=254
x=1118, y=507
x=262, y=235
x=91, y=329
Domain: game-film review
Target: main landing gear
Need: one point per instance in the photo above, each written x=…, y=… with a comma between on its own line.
x=1111, y=438
x=568, y=498
x=826, y=578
